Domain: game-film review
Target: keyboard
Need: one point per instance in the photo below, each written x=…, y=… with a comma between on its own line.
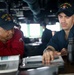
x=36, y=62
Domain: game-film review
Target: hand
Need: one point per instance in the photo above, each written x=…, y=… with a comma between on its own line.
x=3, y=40
x=64, y=52
x=48, y=56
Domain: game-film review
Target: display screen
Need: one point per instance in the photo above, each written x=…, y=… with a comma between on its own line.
x=4, y=58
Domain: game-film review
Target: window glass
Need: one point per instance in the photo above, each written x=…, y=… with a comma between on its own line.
x=55, y=27
x=31, y=30
x=34, y=30
x=24, y=28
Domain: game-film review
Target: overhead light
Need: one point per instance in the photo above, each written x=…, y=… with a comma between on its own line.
x=53, y=15
x=50, y=10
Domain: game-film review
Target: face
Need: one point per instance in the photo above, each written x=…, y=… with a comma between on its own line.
x=65, y=21
x=6, y=34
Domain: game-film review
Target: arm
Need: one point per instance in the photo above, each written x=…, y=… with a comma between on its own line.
x=14, y=46
x=56, y=47
x=49, y=54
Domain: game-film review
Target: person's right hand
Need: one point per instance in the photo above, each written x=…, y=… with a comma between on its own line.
x=48, y=56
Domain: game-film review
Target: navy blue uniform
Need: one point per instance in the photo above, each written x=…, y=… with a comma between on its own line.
x=46, y=36
x=58, y=41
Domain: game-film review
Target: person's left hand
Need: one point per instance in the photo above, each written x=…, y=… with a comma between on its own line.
x=64, y=52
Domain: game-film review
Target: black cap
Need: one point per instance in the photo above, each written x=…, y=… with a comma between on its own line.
x=66, y=8
x=6, y=21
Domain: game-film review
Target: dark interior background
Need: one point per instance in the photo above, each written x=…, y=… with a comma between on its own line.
x=32, y=11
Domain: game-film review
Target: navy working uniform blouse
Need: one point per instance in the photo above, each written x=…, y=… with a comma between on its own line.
x=58, y=41
x=46, y=36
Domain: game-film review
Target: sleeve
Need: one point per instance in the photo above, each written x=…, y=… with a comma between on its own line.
x=13, y=47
